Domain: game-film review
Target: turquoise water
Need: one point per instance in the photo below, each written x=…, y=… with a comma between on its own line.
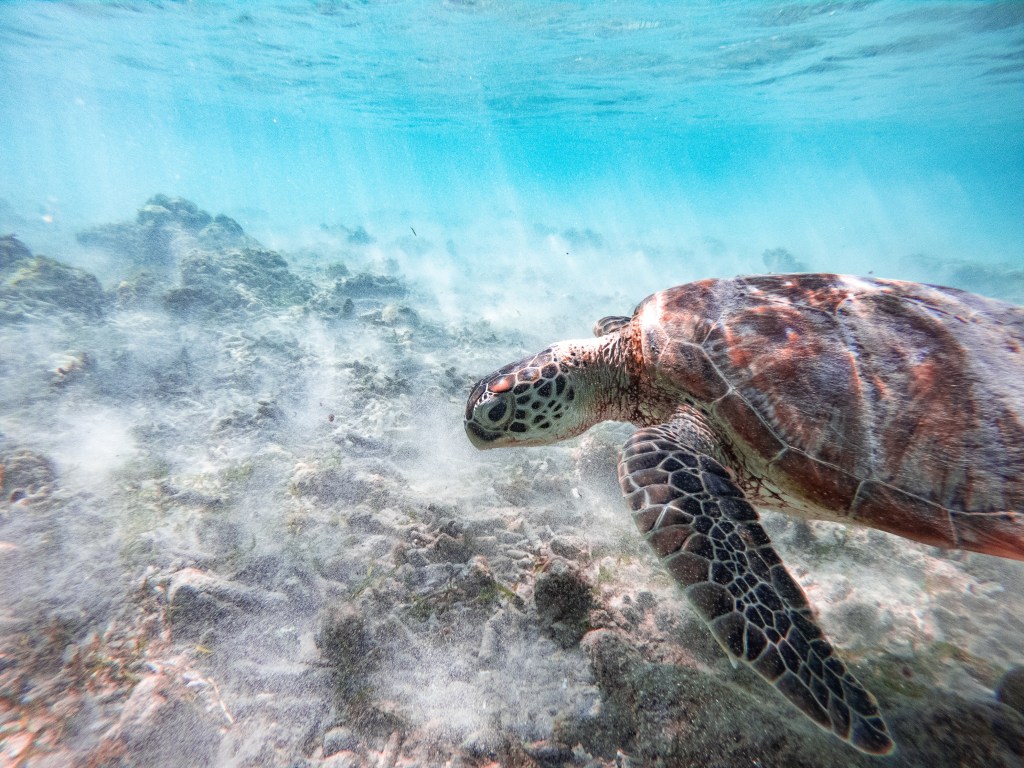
x=240, y=521
x=841, y=130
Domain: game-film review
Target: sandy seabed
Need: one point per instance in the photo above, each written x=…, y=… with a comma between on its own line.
x=240, y=525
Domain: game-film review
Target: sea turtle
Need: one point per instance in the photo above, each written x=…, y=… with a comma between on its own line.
x=895, y=405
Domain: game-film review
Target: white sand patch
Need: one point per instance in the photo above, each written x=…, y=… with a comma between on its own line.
x=94, y=443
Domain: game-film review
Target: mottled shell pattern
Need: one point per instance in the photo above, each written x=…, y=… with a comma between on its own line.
x=895, y=405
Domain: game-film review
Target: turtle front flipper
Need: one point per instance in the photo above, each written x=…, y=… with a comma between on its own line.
x=708, y=537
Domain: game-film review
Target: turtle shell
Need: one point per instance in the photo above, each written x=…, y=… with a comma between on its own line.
x=893, y=404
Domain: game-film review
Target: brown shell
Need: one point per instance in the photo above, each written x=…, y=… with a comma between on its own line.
x=896, y=405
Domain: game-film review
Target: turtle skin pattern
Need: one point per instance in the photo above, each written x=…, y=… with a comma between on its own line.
x=708, y=537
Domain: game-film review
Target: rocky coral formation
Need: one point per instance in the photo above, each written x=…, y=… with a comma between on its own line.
x=249, y=279
x=194, y=263
x=164, y=228
x=38, y=287
x=201, y=266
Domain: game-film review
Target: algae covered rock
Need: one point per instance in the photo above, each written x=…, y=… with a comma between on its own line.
x=366, y=285
x=161, y=209
x=563, y=598
x=39, y=287
x=247, y=279
x=26, y=475
x=12, y=251
x=140, y=291
x=165, y=228
x=338, y=299
x=201, y=602
x=194, y=263
x=1010, y=689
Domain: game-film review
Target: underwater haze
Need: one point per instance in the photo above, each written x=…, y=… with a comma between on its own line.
x=850, y=133
x=253, y=257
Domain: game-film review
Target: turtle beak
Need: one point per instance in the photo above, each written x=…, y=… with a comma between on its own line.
x=479, y=437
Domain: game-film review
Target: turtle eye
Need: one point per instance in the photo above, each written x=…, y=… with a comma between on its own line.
x=496, y=411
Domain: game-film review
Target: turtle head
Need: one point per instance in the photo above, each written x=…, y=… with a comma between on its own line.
x=541, y=399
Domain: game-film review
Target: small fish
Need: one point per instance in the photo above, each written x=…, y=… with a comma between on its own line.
x=414, y=232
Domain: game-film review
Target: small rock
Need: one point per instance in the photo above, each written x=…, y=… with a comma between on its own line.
x=338, y=739
x=363, y=445
x=26, y=476
x=548, y=754
x=414, y=557
x=223, y=232
x=161, y=209
x=645, y=600
x=477, y=582
x=201, y=601
x=328, y=485
x=484, y=743
x=193, y=610
x=396, y=314
x=261, y=570
x=359, y=236
x=563, y=598
x=565, y=547
x=1010, y=689
x=343, y=639
x=261, y=414
x=448, y=549
x=139, y=291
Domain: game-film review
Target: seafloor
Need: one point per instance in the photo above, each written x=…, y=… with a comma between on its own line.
x=240, y=526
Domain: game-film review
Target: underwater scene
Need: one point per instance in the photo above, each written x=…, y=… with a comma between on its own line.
x=266, y=271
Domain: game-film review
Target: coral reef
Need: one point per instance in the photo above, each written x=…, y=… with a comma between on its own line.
x=240, y=525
